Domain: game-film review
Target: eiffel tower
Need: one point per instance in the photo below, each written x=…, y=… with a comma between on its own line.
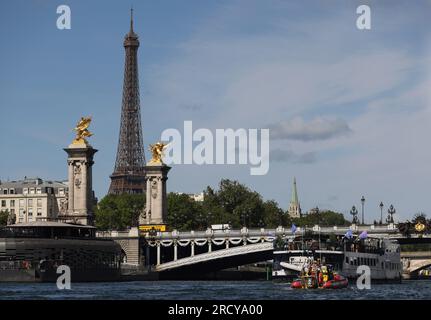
x=129, y=172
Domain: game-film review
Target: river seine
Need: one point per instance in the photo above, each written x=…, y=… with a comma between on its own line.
x=211, y=290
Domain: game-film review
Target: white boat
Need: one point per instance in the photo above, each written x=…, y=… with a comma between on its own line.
x=382, y=256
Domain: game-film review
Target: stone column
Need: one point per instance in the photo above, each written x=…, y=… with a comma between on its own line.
x=175, y=251
x=192, y=248
x=80, y=199
x=84, y=182
x=156, y=208
x=158, y=253
x=71, y=187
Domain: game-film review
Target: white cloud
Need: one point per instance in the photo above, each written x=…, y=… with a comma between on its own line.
x=279, y=155
x=318, y=129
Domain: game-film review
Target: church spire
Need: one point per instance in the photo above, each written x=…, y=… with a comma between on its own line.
x=294, y=198
x=294, y=206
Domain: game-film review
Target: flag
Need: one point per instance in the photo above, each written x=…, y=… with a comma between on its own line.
x=363, y=235
x=349, y=234
x=293, y=229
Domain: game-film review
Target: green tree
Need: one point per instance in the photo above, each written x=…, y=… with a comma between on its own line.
x=323, y=218
x=233, y=203
x=183, y=212
x=118, y=212
x=274, y=216
x=4, y=214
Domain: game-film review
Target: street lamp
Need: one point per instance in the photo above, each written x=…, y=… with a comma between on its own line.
x=391, y=212
x=363, y=202
x=381, y=212
x=354, y=213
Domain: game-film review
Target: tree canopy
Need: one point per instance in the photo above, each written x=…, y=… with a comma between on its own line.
x=4, y=214
x=117, y=212
x=232, y=203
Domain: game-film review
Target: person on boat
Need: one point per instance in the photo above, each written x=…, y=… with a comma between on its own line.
x=325, y=277
x=330, y=273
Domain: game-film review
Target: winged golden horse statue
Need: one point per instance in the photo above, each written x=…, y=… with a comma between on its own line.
x=157, y=152
x=82, y=131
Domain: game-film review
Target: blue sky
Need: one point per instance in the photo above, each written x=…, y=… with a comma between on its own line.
x=349, y=110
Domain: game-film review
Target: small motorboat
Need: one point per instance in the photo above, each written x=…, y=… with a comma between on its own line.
x=310, y=282
x=338, y=282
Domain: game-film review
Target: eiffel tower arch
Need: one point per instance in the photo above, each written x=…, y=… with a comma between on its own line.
x=129, y=171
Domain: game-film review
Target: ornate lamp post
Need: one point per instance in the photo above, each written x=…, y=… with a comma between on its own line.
x=354, y=213
x=391, y=212
x=381, y=212
x=363, y=202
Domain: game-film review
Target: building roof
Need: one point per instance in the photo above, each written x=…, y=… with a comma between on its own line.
x=49, y=224
x=33, y=182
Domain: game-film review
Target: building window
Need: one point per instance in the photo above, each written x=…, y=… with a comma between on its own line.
x=12, y=191
x=38, y=190
x=39, y=212
x=30, y=202
x=31, y=190
x=3, y=203
x=21, y=212
x=30, y=212
x=39, y=203
x=12, y=211
x=21, y=203
x=30, y=219
x=61, y=192
x=12, y=203
x=25, y=191
x=20, y=220
x=5, y=191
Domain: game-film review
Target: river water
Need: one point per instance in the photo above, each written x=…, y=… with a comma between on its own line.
x=210, y=290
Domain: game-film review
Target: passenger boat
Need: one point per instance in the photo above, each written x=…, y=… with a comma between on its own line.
x=32, y=252
x=382, y=256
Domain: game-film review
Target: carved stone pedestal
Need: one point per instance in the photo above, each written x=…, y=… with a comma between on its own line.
x=156, y=209
x=81, y=196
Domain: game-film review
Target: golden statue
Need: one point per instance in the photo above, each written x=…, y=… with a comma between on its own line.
x=157, y=152
x=82, y=131
x=420, y=227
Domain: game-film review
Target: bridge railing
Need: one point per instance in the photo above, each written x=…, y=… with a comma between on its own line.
x=280, y=231
x=245, y=232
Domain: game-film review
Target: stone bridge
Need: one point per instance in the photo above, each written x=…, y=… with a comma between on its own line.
x=168, y=251
x=221, y=259
x=413, y=262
